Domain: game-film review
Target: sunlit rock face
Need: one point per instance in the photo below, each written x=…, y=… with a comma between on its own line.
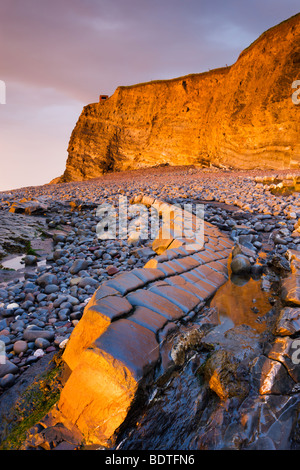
x=242, y=116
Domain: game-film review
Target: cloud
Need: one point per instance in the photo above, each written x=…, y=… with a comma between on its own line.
x=58, y=56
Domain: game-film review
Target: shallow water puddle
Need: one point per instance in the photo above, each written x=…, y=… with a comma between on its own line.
x=239, y=303
x=17, y=264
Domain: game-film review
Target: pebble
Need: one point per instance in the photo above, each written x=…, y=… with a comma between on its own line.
x=111, y=270
x=63, y=343
x=12, y=306
x=38, y=353
x=7, y=380
x=20, y=346
x=78, y=265
x=51, y=288
x=42, y=343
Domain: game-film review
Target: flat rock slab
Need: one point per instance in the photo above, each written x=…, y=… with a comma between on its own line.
x=157, y=303
x=186, y=301
x=125, y=282
x=148, y=274
x=96, y=318
x=16, y=230
x=149, y=319
x=188, y=286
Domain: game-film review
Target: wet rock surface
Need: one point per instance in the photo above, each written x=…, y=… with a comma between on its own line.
x=234, y=395
x=232, y=387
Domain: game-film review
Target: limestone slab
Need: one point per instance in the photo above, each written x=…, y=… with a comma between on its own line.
x=97, y=316
x=155, y=302
x=211, y=275
x=97, y=395
x=105, y=291
x=187, y=263
x=203, y=257
x=148, y=274
x=206, y=286
x=131, y=344
x=168, y=267
x=185, y=301
x=148, y=319
x=189, y=287
x=218, y=267
x=125, y=282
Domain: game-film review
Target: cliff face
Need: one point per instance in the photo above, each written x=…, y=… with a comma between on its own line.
x=241, y=116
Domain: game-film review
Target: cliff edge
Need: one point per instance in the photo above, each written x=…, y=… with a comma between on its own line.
x=241, y=116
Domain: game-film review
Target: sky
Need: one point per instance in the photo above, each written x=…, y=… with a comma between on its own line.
x=56, y=56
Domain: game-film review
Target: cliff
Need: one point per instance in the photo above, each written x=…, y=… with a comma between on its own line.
x=240, y=116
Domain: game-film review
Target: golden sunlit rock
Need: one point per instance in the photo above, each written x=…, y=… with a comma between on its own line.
x=240, y=116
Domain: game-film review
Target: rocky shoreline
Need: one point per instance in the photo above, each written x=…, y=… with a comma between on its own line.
x=43, y=301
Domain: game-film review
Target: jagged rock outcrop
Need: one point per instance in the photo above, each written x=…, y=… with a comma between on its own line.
x=240, y=116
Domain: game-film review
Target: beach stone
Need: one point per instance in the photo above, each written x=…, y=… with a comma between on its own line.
x=37, y=353
x=30, y=260
x=7, y=380
x=12, y=306
x=51, y=288
x=258, y=226
x=79, y=265
x=111, y=270
x=62, y=344
x=4, y=339
x=31, y=334
x=59, y=253
x=3, y=293
x=8, y=368
x=240, y=264
x=86, y=281
x=20, y=346
x=47, y=279
x=42, y=343
x=59, y=238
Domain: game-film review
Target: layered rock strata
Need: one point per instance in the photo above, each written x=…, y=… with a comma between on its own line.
x=242, y=116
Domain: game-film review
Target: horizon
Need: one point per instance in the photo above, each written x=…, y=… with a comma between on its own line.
x=52, y=69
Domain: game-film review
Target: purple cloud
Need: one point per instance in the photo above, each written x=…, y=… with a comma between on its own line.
x=58, y=56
